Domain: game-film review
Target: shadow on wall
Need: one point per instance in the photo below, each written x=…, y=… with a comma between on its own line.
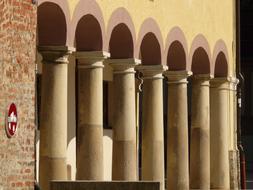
x=71, y=100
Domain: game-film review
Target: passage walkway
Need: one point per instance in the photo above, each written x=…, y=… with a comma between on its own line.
x=112, y=185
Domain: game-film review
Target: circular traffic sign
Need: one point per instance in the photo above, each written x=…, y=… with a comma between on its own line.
x=12, y=121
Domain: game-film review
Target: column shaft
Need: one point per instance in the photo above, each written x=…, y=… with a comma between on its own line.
x=152, y=124
x=124, y=125
x=200, y=134
x=177, y=154
x=90, y=116
x=219, y=129
x=53, y=129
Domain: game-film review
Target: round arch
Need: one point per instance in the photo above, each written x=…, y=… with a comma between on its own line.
x=150, y=35
x=53, y=22
x=150, y=50
x=120, y=36
x=200, y=56
x=221, y=66
x=88, y=34
x=176, y=50
x=88, y=14
x=121, y=43
x=220, y=60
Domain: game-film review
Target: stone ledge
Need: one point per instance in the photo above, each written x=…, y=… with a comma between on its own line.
x=104, y=185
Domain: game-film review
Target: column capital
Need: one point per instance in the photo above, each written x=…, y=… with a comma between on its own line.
x=220, y=83
x=177, y=77
x=233, y=82
x=152, y=71
x=55, y=54
x=204, y=77
x=229, y=83
x=91, y=59
x=121, y=66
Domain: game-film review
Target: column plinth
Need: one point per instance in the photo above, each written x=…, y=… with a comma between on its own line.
x=124, y=160
x=53, y=129
x=177, y=145
x=90, y=115
x=152, y=123
x=200, y=133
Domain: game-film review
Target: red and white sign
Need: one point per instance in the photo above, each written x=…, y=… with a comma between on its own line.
x=12, y=121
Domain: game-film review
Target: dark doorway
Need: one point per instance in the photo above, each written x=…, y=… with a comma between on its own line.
x=247, y=70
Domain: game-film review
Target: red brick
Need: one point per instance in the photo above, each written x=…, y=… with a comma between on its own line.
x=17, y=55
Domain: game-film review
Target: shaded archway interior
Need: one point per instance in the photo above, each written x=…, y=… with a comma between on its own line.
x=150, y=52
x=52, y=27
x=176, y=58
x=200, y=62
x=121, y=43
x=221, y=66
x=88, y=34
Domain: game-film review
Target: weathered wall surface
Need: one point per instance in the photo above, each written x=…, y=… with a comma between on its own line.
x=17, y=82
x=213, y=19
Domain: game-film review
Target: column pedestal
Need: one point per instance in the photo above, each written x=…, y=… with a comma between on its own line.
x=124, y=125
x=53, y=129
x=90, y=115
x=152, y=124
x=177, y=146
x=200, y=133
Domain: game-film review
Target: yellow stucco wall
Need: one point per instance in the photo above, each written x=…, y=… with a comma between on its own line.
x=212, y=18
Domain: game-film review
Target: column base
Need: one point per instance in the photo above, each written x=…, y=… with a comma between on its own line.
x=153, y=162
x=89, y=151
x=200, y=168
x=234, y=168
x=52, y=169
x=124, y=161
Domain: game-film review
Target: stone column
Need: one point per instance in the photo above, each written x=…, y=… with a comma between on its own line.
x=219, y=132
x=89, y=155
x=53, y=128
x=152, y=123
x=234, y=156
x=124, y=160
x=177, y=146
x=200, y=133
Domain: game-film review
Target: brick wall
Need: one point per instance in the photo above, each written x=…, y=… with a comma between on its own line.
x=17, y=84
